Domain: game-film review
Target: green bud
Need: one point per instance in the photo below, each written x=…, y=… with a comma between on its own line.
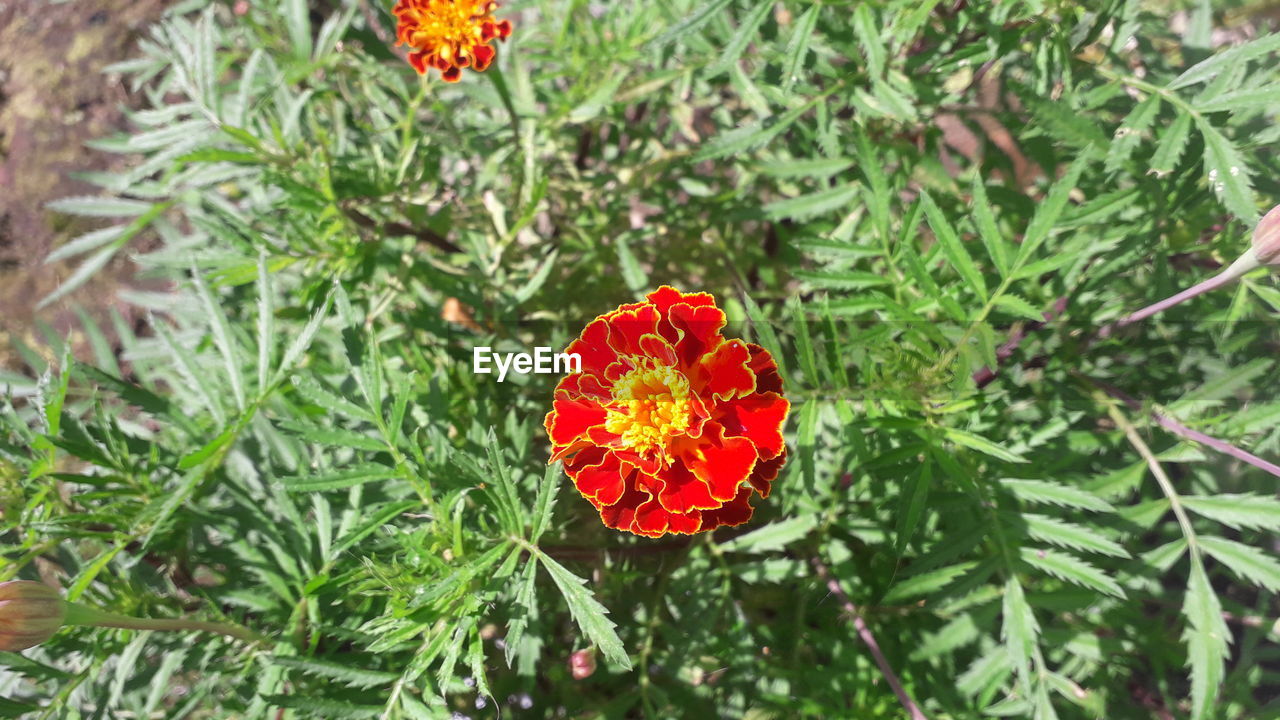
x=30, y=613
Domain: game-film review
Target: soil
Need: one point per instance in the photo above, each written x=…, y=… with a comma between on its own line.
x=53, y=98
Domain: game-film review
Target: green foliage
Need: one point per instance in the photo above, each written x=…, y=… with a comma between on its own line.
x=883, y=195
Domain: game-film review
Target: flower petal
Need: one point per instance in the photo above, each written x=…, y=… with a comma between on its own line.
x=571, y=418
x=757, y=417
x=766, y=370
x=735, y=512
x=723, y=463
x=598, y=476
x=724, y=372
x=682, y=491
x=766, y=471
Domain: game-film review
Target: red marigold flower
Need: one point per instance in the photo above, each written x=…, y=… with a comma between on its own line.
x=669, y=426
x=449, y=35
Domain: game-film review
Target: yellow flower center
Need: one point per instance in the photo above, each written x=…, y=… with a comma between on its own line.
x=448, y=25
x=650, y=406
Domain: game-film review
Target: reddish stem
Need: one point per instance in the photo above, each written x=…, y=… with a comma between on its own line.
x=865, y=633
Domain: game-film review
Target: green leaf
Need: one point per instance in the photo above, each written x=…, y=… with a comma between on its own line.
x=1206, y=636
x=982, y=445
x=103, y=207
x=746, y=31
x=912, y=500
x=338, y=480
x=587, y=612
x=1016, y=305
x=345, y=674
x=752, y=135
x=798, y=46
x=1019, y=629
x=1246, y=561
x=1048, y=212
x=1173, y=142
x=1072, y=569
x=303, y=340
x=1242, y=511
x=1129, y=134
x=1207, y=69
x=632, y=274
x=817, y=203
x=926, y=583
x=1069, y=535
x=1242, y=100
x=297, y=20
x=317, y=706
x=774, y=536
x=694, y=21
x=953, y=248
x=1228, y=174
x=985, y=220
x=1040, y=491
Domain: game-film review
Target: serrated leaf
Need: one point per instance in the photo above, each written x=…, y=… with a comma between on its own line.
x=1019, y=629
x=1172, y=143
x=339, y=480
x=1228, y=174
x=734, y=48
x=1071, y=569
x=1048, y=212
x=985, y=220
x=774, y=536
x=953, y=248
x=1246, y=561
x=1016, y=305
x=817, y=203
x=752, y=135
x=105, y=207
x=926, y=583
x=587, y=612
x=798, y=47
x=1240, y=100
x=912, y=501
x=1240, y=511
x=1069, y=535
x=694, y=21
x=1129, y=134
x=1210, y=67
x=1206, y=636
x=345, y=674
x=1040, y=491
x=982, y=445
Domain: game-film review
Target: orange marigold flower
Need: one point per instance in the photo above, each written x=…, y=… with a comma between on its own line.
x=669, y=426
x=449, y=35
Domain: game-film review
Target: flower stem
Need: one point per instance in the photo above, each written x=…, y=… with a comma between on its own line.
x=81, y=615
x=1247, y=262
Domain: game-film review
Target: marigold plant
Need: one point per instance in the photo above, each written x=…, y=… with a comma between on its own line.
x=449, y=35
x=669, y=426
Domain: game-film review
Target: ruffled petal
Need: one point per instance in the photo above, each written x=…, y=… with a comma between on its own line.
x=724, y=373
x=735, y=512
x=757, y=417
x=723, y=463
x=571, y=418
x=682, y=491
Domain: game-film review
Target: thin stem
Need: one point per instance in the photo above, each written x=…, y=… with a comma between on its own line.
x=865, y=633
x=1166, y=485
x=1177, y=428
x=81, y=615
x=1247, y=262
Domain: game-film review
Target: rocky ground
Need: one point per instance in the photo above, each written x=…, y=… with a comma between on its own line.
x=54, y=97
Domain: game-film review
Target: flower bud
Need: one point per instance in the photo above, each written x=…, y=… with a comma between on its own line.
x=30, y=613
x=582, y=664
x=1266, y=238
